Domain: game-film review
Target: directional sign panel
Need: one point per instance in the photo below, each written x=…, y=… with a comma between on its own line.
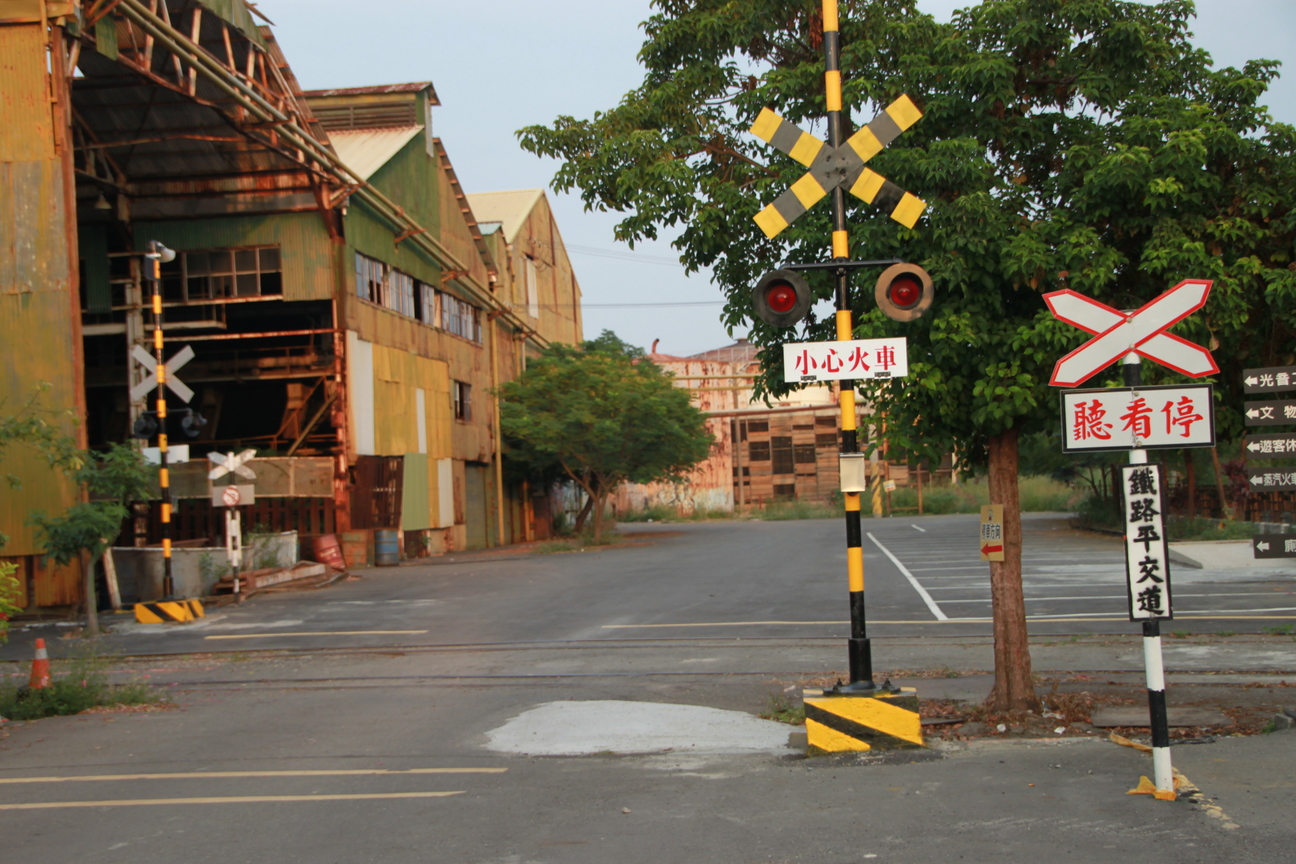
x=1274, y=379
x=1141, y=331
x=1138, y=418
x=149, y=362
x=1273, y=546
x=844, y=361
x=1271, y=479
x=1270, y=446
x=1274, y=412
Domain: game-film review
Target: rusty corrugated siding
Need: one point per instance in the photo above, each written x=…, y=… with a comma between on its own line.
x=27, y=133
x=36, y=325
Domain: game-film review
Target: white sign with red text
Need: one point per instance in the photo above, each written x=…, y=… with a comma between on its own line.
x=844, y=361
x=1138, y=418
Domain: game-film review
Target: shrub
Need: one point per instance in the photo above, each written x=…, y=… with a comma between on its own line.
x=82, y=684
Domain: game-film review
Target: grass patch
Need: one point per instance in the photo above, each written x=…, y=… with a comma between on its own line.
x=1036, y=494
x=1279, y=630
x=783, y=709
x=1197, y=528
x=78, y=684
x=782, y=511
x=667, y=513
x=579, y=544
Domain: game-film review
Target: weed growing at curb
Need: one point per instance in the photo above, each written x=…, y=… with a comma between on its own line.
x=81, y=684
x=783, y=709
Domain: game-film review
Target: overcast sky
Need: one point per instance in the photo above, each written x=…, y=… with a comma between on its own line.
x=506, y=64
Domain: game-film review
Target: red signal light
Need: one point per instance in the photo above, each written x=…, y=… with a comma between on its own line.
x=904, y=292
x=781, y=298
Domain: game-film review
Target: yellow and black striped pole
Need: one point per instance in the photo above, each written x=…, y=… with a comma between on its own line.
x=861, y=655
x=153, y=272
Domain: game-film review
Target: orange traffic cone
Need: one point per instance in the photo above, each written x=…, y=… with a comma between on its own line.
x=40, y=676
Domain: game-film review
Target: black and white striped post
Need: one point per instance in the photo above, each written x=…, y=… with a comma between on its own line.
x=1149, y=592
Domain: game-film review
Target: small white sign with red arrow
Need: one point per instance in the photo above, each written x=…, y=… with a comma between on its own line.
x=1117, y=333
x=992, y=542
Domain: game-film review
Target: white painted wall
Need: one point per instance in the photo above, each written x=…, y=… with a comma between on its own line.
x=445, y=493
x=360, y=387
x=420, y=407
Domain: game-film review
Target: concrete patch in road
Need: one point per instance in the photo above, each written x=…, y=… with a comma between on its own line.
x=621, y=727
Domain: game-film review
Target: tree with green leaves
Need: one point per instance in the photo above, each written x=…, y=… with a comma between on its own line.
x=29, y=426
x=113, y=479
x=1065, y=143
x=603, y=413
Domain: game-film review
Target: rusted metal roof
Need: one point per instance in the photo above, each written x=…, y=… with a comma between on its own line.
x=510, y=208
x=366, y=150
x=379, y=90
x=741, y=351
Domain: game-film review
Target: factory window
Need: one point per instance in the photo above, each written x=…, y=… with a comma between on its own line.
x=460, y=318
x=462, y=395
x=370, y=278
x=400, y=293
x=223, y=273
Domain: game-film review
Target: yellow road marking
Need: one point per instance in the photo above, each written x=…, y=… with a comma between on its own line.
x=348, y=772
x=243, y=799
x=320, y=633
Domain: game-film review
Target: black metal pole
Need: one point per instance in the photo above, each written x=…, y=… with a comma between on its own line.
x=860, y=652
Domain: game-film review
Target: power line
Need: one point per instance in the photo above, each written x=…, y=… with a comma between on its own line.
x=617, y=255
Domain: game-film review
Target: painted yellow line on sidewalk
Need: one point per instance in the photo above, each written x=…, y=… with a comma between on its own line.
x=321, y=633
x=244, y=799
x=208, y=775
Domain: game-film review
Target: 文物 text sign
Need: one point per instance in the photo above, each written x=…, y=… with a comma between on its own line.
x=844, y=361
x=1138, y=418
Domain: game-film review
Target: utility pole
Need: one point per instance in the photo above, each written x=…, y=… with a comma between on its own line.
x=153, y=273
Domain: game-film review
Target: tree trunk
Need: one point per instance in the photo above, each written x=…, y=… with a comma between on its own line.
x=92, y=605
x=600, y=505
x=583, y=514
x=1014, y=690
x=1226, y=512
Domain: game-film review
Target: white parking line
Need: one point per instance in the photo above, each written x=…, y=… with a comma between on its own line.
x=922, y=592
x=916, y=528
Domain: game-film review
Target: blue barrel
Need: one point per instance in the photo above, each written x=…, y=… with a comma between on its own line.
x=386, y=547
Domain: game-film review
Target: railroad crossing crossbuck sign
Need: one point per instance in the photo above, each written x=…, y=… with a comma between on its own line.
x=843, y=166
x=229, y=463
x=149, y=362
x=1117, y=333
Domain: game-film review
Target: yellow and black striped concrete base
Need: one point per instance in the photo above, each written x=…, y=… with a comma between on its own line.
x=168, y=611
x=882, y=721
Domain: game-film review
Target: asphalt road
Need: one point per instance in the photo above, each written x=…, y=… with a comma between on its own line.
x=780, y=580
x=354, y=724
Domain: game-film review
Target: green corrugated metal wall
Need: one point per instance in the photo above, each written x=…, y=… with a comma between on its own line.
x=415, y=512
x=307, y=252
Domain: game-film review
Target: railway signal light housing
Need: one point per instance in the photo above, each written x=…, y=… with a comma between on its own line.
x=782, y=298
x=904, y=292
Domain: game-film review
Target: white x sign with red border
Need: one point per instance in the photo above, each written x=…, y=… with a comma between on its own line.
x=1117, y=333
